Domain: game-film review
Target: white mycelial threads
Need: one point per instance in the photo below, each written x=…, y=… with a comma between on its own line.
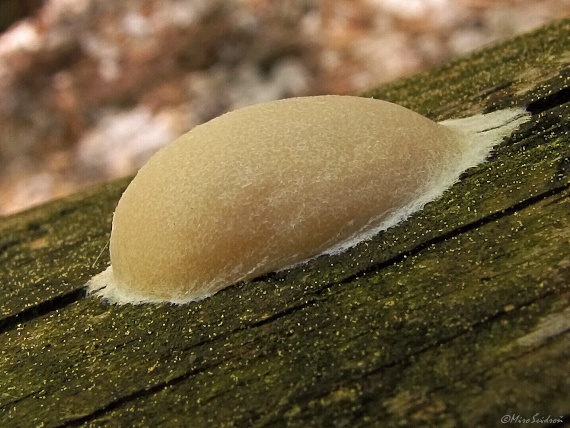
x=275, y=184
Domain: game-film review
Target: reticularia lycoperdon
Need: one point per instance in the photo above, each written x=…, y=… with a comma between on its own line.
x=275, y=184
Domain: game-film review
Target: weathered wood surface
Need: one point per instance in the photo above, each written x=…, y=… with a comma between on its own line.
x=457, y=317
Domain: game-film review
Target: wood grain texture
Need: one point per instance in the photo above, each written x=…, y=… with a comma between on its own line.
x=456, y=317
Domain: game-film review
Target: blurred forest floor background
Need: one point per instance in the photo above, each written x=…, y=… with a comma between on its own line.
x=91, y=89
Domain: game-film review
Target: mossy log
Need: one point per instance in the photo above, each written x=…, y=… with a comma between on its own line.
x=459, y=316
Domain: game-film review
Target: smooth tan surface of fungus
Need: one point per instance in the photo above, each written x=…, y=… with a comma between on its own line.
x=274, y=184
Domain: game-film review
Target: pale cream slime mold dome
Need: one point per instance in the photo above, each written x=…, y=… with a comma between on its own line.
x=274, y=184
